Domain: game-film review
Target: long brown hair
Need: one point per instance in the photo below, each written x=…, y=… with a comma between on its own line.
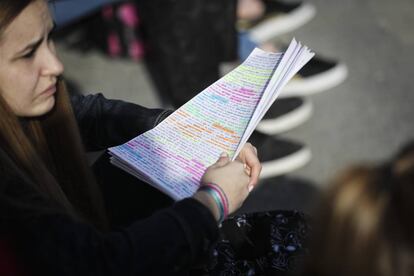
x=48, y=149
x=364, y=225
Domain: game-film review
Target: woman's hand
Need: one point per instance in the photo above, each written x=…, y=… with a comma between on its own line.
x=248, y=156
x=236, y=179
x=232, y=178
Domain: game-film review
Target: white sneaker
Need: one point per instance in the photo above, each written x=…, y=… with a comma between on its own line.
x=279, y=18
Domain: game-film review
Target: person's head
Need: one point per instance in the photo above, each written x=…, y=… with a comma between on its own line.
x=365, y=225
x=39, y=137
x=29, y=67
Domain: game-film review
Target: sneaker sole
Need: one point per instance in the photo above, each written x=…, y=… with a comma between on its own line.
x=316, y=84
x=286, y=165
x=273, y=27
x=287, y=121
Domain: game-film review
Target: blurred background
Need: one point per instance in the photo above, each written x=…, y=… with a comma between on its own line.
x=365, y=118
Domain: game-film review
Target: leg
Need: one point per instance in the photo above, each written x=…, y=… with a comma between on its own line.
x=187, y=40
x=126, y=197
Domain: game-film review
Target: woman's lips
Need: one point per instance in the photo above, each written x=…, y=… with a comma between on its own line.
x=50, y=90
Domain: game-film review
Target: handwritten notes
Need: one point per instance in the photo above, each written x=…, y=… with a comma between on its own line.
x=174, y=155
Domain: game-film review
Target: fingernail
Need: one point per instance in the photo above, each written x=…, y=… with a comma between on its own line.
x=251, y=188
x=223, y=154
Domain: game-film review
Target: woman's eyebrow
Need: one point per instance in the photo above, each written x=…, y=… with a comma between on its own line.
x=36, y=43
x=30, y=46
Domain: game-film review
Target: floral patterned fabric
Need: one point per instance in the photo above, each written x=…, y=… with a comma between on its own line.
x=122, y=31
x=268, y=243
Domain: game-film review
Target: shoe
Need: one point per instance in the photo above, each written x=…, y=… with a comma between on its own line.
x=316, y=76
x=278, y=156
x=280, y=17
x=285, y=114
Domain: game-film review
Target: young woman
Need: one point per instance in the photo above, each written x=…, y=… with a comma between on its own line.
x=365, y=223
x=52, y=218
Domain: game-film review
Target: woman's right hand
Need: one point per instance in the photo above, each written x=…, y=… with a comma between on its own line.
x=231, y=177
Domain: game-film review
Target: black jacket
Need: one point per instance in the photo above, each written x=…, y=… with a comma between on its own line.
x=167, y=243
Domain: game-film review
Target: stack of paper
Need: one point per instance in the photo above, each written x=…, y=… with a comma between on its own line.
x=174, y=155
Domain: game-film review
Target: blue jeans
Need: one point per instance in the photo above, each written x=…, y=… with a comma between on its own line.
x=246, y=45
x=66, y=12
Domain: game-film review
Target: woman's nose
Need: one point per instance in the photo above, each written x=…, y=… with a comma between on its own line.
x=52, y=64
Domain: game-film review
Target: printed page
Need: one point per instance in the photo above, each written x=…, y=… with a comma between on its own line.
x=174, y=155
x=295, y=57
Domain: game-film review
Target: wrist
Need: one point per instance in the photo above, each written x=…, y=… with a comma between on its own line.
x=218, y=197
x=205, y=198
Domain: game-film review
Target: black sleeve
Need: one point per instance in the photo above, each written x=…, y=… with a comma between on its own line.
x=167, y=243
x=104, y=123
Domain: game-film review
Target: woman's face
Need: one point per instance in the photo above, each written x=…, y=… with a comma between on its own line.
x=29, y=66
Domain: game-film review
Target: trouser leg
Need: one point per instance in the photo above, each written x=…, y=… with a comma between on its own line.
x=187, y=40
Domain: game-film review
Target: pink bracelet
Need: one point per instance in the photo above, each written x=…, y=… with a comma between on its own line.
x=222, y=195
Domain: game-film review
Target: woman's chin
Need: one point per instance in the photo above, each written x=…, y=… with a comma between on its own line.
x=41, y=108
x=47, y=106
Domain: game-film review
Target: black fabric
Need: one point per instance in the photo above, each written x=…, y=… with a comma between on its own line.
x=282, y=107
x=186, y=42
x=270, y=148
x=19, y=196
x=126, y=197
x=183, y=41
x=168, y=242
x=104, y=123
x=317, y=65
x=276, y=6
x=267, y=243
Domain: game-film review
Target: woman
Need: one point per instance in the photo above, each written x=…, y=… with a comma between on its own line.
x=51, y=212
x=365, y=223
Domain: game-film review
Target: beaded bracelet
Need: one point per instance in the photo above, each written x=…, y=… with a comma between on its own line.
x=219, y=197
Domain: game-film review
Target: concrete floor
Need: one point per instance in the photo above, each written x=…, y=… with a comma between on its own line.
x=366, y=118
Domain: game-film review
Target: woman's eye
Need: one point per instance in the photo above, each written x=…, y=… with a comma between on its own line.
x=50, y=36
x=29, y=54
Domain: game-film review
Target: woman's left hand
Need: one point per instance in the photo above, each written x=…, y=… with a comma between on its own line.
x=248, y=156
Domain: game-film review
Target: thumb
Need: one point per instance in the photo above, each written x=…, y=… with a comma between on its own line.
x=223, y=160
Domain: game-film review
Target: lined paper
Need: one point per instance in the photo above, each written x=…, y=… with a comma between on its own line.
x=175, y=154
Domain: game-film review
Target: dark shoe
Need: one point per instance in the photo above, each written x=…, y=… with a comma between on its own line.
x=317, y=75
x=285, y=114
x=280, y=17
x=278, y=156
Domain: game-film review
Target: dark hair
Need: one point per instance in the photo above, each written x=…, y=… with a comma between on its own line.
x=46, y=154
x=364, y=225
